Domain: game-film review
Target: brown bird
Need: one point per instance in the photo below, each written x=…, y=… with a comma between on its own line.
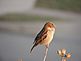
x=45, y=36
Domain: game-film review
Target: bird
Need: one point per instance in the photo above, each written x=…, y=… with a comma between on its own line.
x=45, y=36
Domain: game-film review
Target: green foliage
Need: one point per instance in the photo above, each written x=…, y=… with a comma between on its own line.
x=24, y=17
x=71, y=5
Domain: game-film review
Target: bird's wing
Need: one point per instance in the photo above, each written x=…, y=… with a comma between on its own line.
x=40, y=36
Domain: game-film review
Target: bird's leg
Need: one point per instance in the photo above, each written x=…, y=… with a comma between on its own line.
x=46, y=50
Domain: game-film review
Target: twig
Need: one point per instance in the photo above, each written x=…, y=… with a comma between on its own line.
x=63, y=59
x=46, y=50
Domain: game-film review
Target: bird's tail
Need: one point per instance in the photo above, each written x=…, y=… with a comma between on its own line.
x=32, y=47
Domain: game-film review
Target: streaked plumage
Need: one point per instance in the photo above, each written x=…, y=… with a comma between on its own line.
x=45, y=36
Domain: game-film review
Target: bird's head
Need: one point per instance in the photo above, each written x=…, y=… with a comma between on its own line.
x=50, y=26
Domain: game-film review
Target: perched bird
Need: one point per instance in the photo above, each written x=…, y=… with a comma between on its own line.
x=45, y=36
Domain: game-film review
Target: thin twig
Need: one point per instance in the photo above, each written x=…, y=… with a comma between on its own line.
x=46, y=50
x=63, y=59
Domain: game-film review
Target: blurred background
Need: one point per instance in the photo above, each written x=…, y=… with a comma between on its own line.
x=21, y=20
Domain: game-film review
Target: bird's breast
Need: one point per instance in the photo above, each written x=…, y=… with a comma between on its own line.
x=49, y=37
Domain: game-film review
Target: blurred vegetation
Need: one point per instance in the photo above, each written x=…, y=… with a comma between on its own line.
x=69, y=5
x=24, y=17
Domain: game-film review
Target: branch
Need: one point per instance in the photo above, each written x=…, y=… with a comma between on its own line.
x=46, y=50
